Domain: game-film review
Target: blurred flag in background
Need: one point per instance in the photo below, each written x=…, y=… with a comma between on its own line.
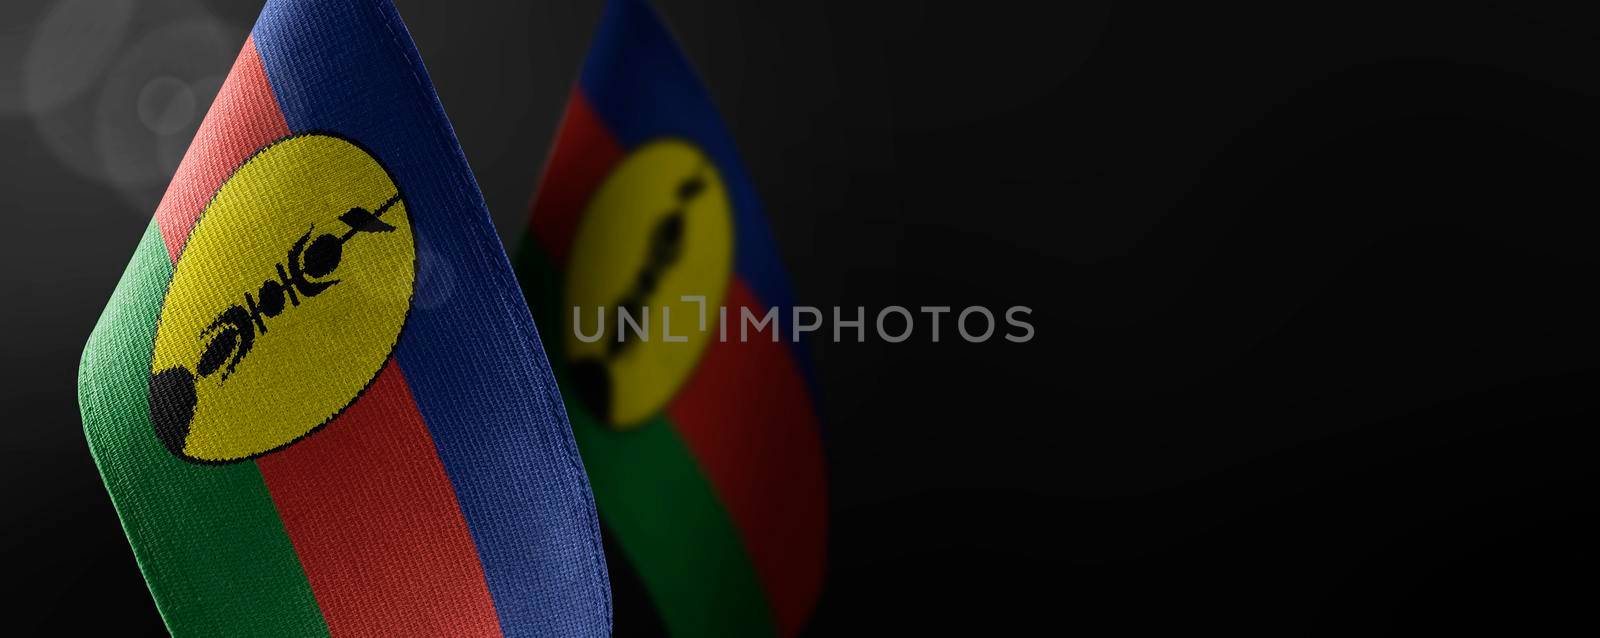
x=316, y=397
x=704, y=454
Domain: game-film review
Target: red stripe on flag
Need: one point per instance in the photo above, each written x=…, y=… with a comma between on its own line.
x=374, y=518
x=243, y=118
x=747, y=418
x=581, y=158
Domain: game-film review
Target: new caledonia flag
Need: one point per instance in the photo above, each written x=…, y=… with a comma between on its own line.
x=317, y=397
x=704, y=454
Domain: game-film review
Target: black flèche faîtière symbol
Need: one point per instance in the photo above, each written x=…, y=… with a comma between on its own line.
x=310, y=262
x=303, y=274
x=591, y=377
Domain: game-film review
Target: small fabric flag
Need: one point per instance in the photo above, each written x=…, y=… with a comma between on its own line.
x=317, y=397
x=700, y=433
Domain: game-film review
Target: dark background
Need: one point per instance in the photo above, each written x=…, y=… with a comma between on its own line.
x=1312, y=284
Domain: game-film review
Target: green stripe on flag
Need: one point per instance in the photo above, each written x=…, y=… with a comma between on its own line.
x=651, y=493
x=208, y=538
x=672, y=529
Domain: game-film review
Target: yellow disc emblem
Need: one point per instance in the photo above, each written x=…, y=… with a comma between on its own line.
x=658, y=229
x=285, y=303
